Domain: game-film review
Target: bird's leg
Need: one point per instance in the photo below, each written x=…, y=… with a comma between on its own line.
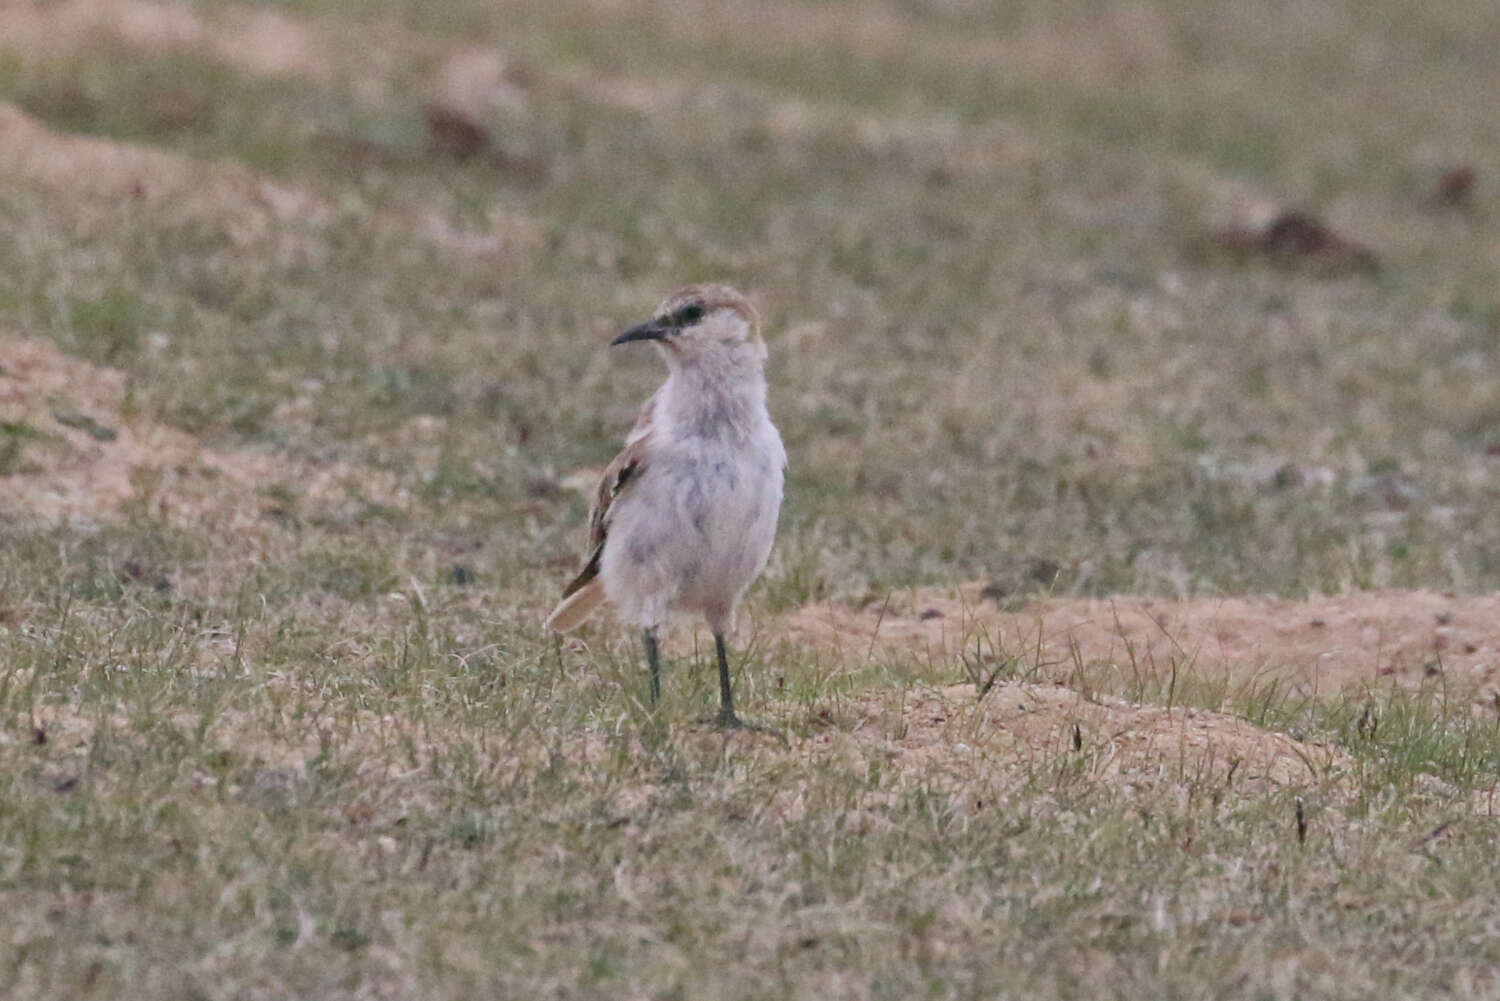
x=653, y=660
x=727, y=718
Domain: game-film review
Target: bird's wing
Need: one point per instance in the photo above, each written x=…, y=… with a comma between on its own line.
x=586, y=591
x=624, y=470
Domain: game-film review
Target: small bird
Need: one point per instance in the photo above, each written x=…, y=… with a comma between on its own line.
x=686, y=514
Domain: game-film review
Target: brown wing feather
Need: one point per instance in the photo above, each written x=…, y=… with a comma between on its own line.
x=617, y=476
x=586, y=592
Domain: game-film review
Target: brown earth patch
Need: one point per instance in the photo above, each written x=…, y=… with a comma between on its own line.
x=259, y=41
x=265, y=43
x=1019, y=734
x=99, y=176
x=1320, y=646
x=75, y=453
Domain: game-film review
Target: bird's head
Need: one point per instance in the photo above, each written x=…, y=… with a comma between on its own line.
x=702, y=322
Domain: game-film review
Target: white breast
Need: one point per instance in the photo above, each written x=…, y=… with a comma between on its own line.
x=697, y=528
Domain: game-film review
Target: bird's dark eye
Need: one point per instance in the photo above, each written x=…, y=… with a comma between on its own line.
x=689, y=315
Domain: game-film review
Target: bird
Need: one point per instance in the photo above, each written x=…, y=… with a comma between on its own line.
x=685, y=516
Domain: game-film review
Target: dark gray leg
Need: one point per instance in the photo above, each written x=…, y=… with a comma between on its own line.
x=653, y=660
x=727, y=718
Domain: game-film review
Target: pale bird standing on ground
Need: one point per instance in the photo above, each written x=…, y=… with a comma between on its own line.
x=686, y=514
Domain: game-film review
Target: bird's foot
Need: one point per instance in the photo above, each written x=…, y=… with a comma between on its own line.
x=727, y=721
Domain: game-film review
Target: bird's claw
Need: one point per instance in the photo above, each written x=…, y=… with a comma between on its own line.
x=727, y=721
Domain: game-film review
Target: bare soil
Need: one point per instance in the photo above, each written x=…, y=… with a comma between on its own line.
x=1323, y=645
x=81, y=455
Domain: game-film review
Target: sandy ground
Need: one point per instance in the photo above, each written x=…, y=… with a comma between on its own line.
x=1068, y=650
x=79, y=456
x=1322, y=645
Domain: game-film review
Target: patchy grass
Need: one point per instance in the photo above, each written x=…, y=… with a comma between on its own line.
x=293, y=392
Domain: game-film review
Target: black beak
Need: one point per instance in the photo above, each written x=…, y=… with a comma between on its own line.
x=651, y=330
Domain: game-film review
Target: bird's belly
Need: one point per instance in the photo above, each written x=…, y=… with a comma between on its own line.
x=698, y=537
x=732, y=531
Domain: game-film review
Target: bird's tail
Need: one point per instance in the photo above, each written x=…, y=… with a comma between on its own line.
x=572, y=610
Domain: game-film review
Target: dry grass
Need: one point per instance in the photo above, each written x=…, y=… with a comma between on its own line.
x=301, y=357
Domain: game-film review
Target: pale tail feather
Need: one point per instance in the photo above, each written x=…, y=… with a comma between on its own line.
x=572, y=610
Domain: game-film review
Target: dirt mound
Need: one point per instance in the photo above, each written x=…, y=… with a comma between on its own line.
x=100, y=175
x=66, y=451
x=1030, y=730
x=1021, y=741
x=72, y=452
x=258, y=41
x=1321, y=646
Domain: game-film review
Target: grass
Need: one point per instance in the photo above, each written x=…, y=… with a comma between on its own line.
x=275, y=733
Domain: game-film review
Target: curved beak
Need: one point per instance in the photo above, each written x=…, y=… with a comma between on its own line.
x=651, y=330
